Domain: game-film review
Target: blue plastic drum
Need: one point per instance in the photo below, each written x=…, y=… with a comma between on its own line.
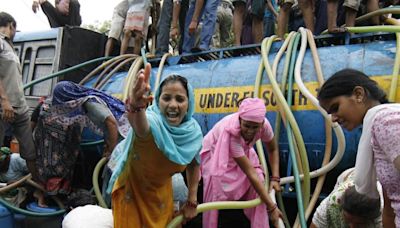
x=6, y=218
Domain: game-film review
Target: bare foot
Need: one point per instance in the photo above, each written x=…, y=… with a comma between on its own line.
x=337, y=30
x=40, y=198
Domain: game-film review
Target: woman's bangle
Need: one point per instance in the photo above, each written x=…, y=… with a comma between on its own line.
x=132, y=108
x=275, y=178
x=272, y=209
x=191, y=204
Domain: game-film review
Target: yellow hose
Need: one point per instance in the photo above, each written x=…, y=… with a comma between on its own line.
x=235, y=205
x=260, y=150
x=103, y=80
x=103, y=65
x=288, y=42
x=159, y=72
x=130, y=79
x=280, y=115
x=328, y=131
x=230, y=204
x=95, y=182
x=396, y=66
x=265, y=46
x=290, y=117
x=307, y=93
x=15, y=184
x=28, y=179
x=395, y=75
x=108, y=68
x=286, y=45
x=388, y=10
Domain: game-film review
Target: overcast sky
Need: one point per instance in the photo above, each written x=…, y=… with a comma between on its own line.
x=21, y=10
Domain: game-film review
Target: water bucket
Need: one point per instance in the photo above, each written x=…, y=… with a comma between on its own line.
x=48, y=222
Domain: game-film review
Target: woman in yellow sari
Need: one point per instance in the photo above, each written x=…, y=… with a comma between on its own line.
x=164, y=140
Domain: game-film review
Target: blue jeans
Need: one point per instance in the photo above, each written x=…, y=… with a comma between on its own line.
x=269, y=26
x=208, y=17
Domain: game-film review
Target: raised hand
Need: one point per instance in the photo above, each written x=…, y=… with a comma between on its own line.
x=35, y=6
x=140, y=95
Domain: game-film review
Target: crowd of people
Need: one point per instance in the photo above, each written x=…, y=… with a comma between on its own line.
x=151, y=138
x=200, y=25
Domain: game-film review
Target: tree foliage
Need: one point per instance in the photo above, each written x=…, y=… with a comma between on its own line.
x=101, y=27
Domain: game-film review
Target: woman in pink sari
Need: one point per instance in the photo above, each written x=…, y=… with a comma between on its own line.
x=230, y=167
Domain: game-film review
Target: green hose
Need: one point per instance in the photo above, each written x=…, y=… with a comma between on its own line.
x=217, y=206
x=396, y=66
x=388, y=10
x=328, y=126
x=26, y=86
x=61, y=72
x=283, y=82
x=95, y=181
x=279, y=116
x=231, y=204
x=300, y=202
x=93, y=143
x=380, y=28
x=290, y=118
x=30, y=213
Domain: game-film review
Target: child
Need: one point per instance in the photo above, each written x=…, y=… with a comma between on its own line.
x=12, y=166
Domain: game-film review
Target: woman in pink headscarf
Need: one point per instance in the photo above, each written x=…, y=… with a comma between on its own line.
x=230, y=167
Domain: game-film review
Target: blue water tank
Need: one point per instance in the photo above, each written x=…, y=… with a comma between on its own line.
x=36, y=208
x=6, y=218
